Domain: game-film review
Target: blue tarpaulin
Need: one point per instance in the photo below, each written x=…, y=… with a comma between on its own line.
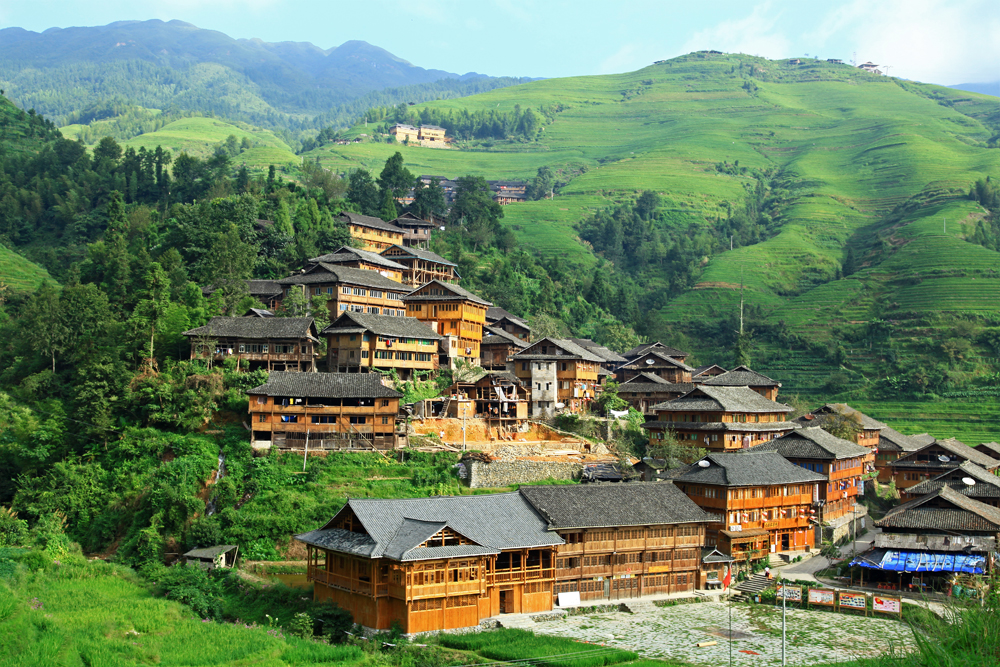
x=921, y=561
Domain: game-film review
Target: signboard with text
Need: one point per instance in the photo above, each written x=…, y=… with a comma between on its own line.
x=821, y=596
x=790, y=593
x=887, y=605
x=854, y=601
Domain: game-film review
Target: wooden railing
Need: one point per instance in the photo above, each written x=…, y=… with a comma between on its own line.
x=515, y=576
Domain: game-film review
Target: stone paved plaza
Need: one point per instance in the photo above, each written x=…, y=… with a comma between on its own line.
x=813, y=636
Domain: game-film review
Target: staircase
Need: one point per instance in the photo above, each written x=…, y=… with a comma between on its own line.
x=521, y=621
x=750, y=587
x=444, y=407
x=640, y=606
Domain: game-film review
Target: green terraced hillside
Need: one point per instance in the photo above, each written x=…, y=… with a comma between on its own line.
x=19, y=274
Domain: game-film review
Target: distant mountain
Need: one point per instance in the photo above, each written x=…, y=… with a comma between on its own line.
x=989, y=88
x=177, y=65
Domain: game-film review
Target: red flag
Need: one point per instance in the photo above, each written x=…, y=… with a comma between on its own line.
x=728, y=578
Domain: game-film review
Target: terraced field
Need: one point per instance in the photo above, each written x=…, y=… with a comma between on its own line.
x=19, y=274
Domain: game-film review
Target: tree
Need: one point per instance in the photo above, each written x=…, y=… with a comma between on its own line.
x=117, y=264
x=474, y=203
x=107, y=151
x=44, y=327
x=673, y=451
x=647, y=204
x=541, y=185
x=388, y=210
x=609, y=399
x=362, y=193
x=844, y=426
x=149, y=312
x=228, y=265
x=295, y=303
x=428, y=200
x=395, y=178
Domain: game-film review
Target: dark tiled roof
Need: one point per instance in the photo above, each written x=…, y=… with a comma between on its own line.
x=738, y=427
x=725, y=399
x=647, y=378
x=987, y=484
x=258, y=312
x=841, y=409
x=496, y=313
x=645, y=347
x=496, y=336
x=325, y=385
x=383, y=325
x=960, y=450
x=501, y=375
x=369, y=221
x=411, y=220
x=924, y=438
x=572, y=350
x=396, y=527
x=257, y=327
x=742, y=376
x=599, y=350
x=419, y=253
x=349, y=254
x=815, y=443
x=748, y=468
x=256, y=288
x=638, y=362
x=654, y=388
x=945, y=509
x=452, y=292
x=891, y=440
x=600, y=506
x=713, y=555
x=992, y=449
x=701, y=369
x=323, y=273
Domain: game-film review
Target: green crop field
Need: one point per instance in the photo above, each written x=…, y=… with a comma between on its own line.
x=19, y=274
x=198, y=136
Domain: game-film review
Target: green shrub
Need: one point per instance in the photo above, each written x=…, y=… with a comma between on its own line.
x=192, y=586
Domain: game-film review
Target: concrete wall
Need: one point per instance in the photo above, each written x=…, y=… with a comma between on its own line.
x=843, y=526
x=497, y=474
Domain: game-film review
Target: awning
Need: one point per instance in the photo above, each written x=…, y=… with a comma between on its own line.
x=921, y=561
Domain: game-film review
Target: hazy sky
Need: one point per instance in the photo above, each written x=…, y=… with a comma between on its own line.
x=939, y=41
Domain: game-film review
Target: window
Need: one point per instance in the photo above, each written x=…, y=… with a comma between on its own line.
x=345, y=290
x=359, y=420
x=262, y=418
x=385, y=402
x=262, y=400
x=373, y=310
x=364, y=354
x=329, y=290
x=317, y=291
x=385, y=420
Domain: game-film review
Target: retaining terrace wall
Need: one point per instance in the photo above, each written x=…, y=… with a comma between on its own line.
x=498, y=474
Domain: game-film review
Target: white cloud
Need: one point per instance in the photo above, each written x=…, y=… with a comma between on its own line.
x=622, y=60
x=755, y=34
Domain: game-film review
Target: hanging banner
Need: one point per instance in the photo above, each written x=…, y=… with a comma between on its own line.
x=854, y=601
x=887, y=605
x=821, y=596
x=790, y=593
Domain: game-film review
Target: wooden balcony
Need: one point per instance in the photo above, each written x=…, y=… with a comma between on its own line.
x=446, y=589
x=519, y=576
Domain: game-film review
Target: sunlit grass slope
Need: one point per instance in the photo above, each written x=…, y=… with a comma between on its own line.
x=20, y=274
x=198, y=136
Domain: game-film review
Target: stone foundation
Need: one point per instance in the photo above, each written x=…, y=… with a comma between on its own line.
x=498, y=474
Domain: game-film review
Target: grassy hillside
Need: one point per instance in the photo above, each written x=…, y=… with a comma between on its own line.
x=864, y=166
x=19, y=274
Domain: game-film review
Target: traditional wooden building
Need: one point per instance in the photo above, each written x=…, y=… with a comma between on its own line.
x=323, y=411
x=720, y=419
x=433, y=563
x=375, y=234
x=258, y=343
x=741, y=376
x=646, y=390
x=421, y=266
x=623, y=540
x=610, y=360
x=843, y=464
x=868, y=429
x=498, y=398
x=984, y=486
x=657, y=363
x=349, y=290
x=416, y=232
x=560, y=374
x=498, y=347
x=356, y=258
x=359, y=342
x=928, y=540
x=933, y=459
x=501, y=319
x=702, y=373
x=990, y=449
x=454, y=313
x=640, y=350
x=754, y=491
x=891, y=445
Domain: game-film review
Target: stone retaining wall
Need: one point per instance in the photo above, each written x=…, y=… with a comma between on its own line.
x=498, y=474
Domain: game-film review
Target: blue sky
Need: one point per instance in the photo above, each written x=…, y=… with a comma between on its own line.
x=939, y=41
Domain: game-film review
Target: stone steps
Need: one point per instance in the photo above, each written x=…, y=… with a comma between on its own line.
x=753, y=585
x=521, y=621
x=639, y=606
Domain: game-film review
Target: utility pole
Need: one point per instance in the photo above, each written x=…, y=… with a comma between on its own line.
x=741, y=302
x=784, y=603
x=305, y=454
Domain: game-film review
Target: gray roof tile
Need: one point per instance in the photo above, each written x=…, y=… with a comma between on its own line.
x=420, y=253
x=645, y=347
x=325, y=385
x=816, y=416
x=600, y=506
x=349, y=254
x=815, y=443
x=956, y=447
x=573, y=351
x=987, y=484
x=726, y=399
x=323, y=273
x=382, y=325
x=891, y=440
x=655, y=354
x=452, y=293
x=369, y=221
x=741, y=376
x=748, y=468
x=257, y=328
x=944, y=509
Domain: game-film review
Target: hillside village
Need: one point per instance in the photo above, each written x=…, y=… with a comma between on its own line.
x=733, y=481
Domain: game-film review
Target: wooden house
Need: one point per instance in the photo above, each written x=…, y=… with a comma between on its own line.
x=891, y=445
x=928, y=540
x=323, y=411
x=623, y=540
x=432, y=135
x=655, y=362
x=991, y=449
x=610, y=359
x=498, y=398
x=645, y=390
x=356, y=258
x=359, y=342
x=640, y=350
x=349, y=290
x=433, y=563
x=501, y=319
x=842, y=462
x=720, y=419
x=741, y=376
x=868, y=429
x=258, y=343
x=404, y=133
x=702, y=373
x=416, y=231
x=984, y=487
x=560, y=374
x=765, y=502
x=213, y=558
x=268, y=292
x=933, y=459
x=375, y=234
x=421, y=266
x=498, y=347
x=454, y=313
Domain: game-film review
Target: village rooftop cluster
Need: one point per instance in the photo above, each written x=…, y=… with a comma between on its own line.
x=770, y=483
